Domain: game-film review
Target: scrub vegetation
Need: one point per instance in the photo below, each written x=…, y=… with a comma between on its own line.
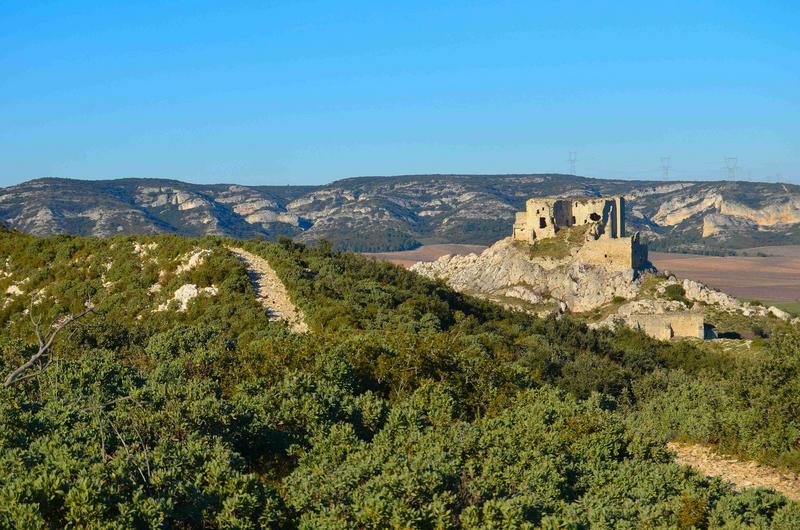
x=406, y=405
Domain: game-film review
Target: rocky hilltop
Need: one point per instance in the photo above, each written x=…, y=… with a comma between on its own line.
x=550, y=277
x=509, y=272
x=393, y=213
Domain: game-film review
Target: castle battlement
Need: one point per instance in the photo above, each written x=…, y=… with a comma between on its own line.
x=606, y=241
x=545, y=216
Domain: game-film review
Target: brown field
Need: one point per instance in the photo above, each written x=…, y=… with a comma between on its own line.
x=791, y=251
x=407, y=258
x=775, y=278
x=771, y=278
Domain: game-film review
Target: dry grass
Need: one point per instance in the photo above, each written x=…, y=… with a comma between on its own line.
x=561, y=245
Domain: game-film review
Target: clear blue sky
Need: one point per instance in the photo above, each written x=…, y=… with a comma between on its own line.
x=306, y=92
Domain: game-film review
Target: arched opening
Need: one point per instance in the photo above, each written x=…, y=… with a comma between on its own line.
x=542, y=222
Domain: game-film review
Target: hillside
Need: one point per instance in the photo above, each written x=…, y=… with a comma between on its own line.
x=179, y=401
x=393, y=213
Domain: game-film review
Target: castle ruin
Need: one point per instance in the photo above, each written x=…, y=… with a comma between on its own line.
x=665, y=326
x=544, y=217
x=606, y=243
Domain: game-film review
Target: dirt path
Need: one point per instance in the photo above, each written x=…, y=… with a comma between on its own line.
x=270, y=291
x=741, y=474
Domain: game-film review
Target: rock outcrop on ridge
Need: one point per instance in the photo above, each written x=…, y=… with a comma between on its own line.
x=509, y=273
x=505, y=272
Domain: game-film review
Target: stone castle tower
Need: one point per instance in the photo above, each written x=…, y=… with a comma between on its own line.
x=544, y=217
x=606, y=241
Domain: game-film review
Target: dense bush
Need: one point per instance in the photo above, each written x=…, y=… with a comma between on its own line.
x=408, y=405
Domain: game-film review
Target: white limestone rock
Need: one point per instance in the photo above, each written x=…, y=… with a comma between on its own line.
x=502, y=268
x=779, y=313
x=185, y=293
x=193, y=260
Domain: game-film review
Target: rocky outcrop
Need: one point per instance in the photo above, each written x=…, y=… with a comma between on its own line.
x=505, y=271
x=184, y=294
x=508, y=273
x=725, y=225
x=783, y=211
x=681, y=207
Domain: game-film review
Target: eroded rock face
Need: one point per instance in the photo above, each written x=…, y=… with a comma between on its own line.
x=700, y=292
x=720, y=224
x=505, y=271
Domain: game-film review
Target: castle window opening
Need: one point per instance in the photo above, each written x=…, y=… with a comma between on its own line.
x=594, y=217
x=573, y=219
x=542, y=222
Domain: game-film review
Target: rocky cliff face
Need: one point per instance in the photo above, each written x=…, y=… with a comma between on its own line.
x=509, y=273
x=391, y=213
x=504, y=272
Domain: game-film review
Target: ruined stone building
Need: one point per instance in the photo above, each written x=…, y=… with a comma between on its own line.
x=545, y=216
x=670, y=325
x=607, y=243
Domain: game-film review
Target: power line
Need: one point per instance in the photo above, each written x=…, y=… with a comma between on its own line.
x=573, y=159
x=731, y=164
x=665, y=167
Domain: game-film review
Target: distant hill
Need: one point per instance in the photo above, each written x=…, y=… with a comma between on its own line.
x=400, y=212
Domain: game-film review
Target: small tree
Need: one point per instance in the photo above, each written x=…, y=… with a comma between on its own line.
x=45, y=343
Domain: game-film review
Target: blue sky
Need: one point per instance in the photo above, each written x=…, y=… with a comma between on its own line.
x=307, y=92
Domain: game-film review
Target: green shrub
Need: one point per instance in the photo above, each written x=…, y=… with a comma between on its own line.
x=676, y=292
x=408, y=405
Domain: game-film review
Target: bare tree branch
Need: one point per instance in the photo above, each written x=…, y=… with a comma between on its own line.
x=45, y=343
x=107, y=403
x=128, y=452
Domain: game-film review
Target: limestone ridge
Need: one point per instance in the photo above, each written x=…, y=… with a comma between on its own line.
x=371, y=214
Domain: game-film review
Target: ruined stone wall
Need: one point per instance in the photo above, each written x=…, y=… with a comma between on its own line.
x=522, y=230
x=615, y=254
x=688, y=325
x=639, y=257
x=539, y=219
x=562, y=214
x=665, y=326
x=545, y=216
x=591, y=211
